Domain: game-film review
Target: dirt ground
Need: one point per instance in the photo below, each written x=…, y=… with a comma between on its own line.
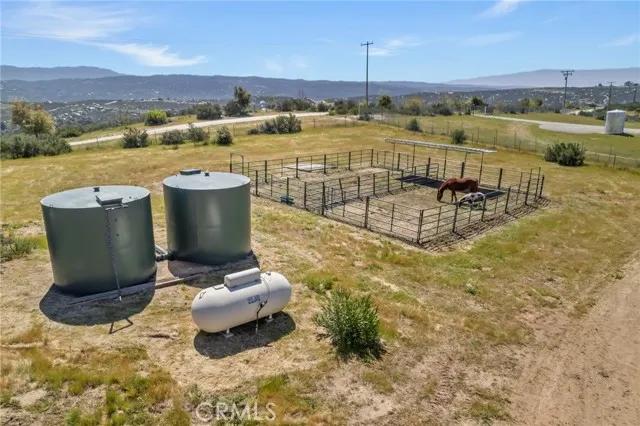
x=589, y=373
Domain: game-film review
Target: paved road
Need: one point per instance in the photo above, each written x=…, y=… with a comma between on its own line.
x=208, y=123
x=562, y=127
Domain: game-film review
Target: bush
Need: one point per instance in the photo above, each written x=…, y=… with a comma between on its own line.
x=155, y=117
x=208, y=111
x=223, y=136
x=196, y=134
x=281, y=124
x=352, y=324
x=134, y=138
x=70, y=132
x=14, y=247
x=565, y=154
x=26, y=146
x=458, y=137
x=413, y=125
x=173, y=137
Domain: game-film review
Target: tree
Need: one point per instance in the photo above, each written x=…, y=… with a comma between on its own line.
x=384, y=102
x=32, y=119
x=208, y=111
x=524, y=105
x=155, y=117
x=413, y=106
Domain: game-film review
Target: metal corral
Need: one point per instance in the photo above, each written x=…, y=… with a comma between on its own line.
x=99, y=237
x=208, y=216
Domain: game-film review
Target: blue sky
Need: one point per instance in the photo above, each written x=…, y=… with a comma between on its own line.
x=423, y=41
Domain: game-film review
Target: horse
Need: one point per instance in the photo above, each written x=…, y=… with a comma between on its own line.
x=457, y=184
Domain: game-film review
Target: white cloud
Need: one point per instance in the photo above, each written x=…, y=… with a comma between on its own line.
x=277, y=65
x=628, y=40
x=501, y=8
x=93, y=25
x=489, y=39
x=392, y=46
x=153, y=56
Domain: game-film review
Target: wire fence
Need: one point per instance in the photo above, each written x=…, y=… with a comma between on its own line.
x=351, y=186
x=509, y=140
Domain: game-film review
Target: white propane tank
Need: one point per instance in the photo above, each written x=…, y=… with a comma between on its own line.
x=615, y=122
x=245, y=296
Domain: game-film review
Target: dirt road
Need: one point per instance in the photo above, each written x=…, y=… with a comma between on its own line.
x=160, y=130
x=592, y=376
x=563, y=127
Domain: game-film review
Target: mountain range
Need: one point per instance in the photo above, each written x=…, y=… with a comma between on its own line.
x=64, y=84
x=554, y=78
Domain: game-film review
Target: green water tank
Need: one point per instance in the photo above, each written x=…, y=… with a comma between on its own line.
x=208, y=216
x=81, y=224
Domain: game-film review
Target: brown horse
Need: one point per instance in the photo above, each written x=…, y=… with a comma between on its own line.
x=457, y=184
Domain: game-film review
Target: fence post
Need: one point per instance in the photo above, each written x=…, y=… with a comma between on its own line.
x=304, y=202
x=323, y=201
x=455, y=219
x=444, y=168
x=526, y=196
x=366, y=213
x=506, y=204
x=462, y=165
x=358, y=187
x=438, y=223
x=420, y=226
x=256, y=183
x=519, y=189
x=287, y=189
x=401, y=179
x=297, y=166
x=500, y=178
x=371, y=165
x=428, y=167
x=398, y=162
x=484, y=206
x=374, y=184
x=324, y=168
x=349, y=166
x=388, y=181
x=265, y=171
x=541, y=186
x=537, y=184
x=393, y=213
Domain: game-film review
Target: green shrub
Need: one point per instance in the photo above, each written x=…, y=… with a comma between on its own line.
x=413, y=125
x=319, y=282
x=458, y=137
x=208, y=111
x=14, y=247
x=223, y=136
x=26, y=146
x=565, y=154
x=155, y=117
x=134, y=138
x=70, y=132
x=173, y=137
x=352, y=324
x=196, y=134
x=281, y=124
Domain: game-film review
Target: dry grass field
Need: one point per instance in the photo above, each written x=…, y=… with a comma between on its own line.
x=462, y=327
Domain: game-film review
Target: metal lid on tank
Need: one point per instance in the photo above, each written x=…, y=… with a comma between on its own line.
x=94, y=196
x=196, y=179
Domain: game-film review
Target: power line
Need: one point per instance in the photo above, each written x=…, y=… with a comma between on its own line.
x=610, y=94
x=566, y=74
x=368, y=43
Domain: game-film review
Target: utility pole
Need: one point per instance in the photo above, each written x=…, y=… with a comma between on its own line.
x=566, y=74
x=635, y=91
x=367, y=44
x=610, y=94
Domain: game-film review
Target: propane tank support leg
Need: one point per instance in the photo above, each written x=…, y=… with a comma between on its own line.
x=269, y=318
x=228, y=333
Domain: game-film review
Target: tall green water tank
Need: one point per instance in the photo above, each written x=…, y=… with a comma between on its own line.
x=81, y=224
x=208, y=216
